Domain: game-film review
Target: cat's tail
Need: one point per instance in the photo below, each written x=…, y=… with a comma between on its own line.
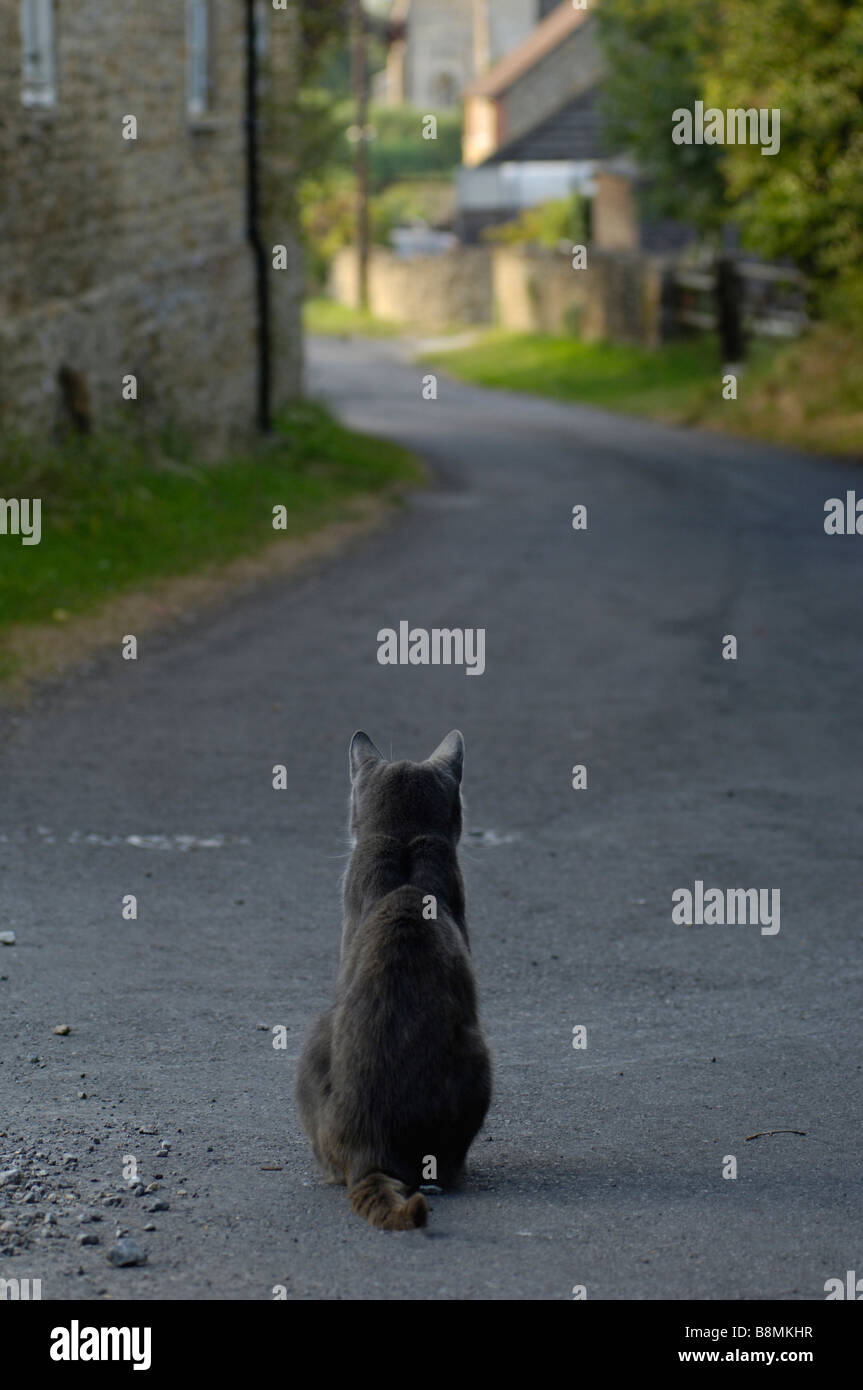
x=384, y=1202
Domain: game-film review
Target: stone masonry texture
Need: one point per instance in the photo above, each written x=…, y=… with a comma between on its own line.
x=130, y=256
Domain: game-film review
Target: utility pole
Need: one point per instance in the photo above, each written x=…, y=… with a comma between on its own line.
x=361, y=148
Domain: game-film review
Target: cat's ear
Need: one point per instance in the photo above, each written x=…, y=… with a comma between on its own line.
x=362, y=751
x=450, y=755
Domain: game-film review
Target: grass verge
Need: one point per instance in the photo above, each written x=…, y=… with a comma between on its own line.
x=330, y=319
x=122, y=516
x=805, y=394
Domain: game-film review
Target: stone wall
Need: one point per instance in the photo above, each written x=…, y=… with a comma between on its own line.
x=130, y=256
x=618, y=297
x=615, y=214
x=427, y=293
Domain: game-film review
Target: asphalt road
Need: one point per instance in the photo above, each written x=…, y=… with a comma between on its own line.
x=598, y=1167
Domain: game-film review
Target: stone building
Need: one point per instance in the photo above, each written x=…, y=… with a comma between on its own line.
x=532, y=127
x=130, y=257
x=539, y=102
x=534, y=132
x=448, y=43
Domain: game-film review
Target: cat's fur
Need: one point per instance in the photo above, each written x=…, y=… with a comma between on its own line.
x=398, y=1069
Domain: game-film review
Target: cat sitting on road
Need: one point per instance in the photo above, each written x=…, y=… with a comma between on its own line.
x=395, y=1079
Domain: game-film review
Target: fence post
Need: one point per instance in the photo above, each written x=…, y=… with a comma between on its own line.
x=729, y=310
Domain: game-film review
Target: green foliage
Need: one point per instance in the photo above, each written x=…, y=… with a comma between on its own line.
x=613, y=375
x=558, y=222
x=805, y=394
x=118, y=512
x=398, y=150
x=327, y=221
x=331, y=319
x=328, y=216
x=804, y=57
x=320, y=133
x=655, y=51
x=654, y=66
x=400, y=204
x=322, y=51
x=401, y=165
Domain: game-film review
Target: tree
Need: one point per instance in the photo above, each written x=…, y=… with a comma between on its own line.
x=801, y=57
x=322, y=29
x=655, y=56
x=805, y=59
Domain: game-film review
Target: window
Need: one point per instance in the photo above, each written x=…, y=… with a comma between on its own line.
x=262, y=30
x=445, y=89
x=262, y=44
x=200, y=67
x=37, y=53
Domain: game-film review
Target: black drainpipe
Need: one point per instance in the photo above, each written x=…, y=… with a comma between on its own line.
x=253, y=229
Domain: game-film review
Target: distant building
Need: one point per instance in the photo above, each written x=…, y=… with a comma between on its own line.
x=448, y=43
x=128, y=257
x=533, y=131
x=539, y=102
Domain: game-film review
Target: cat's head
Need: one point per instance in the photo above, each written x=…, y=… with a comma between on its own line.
x=405, y=799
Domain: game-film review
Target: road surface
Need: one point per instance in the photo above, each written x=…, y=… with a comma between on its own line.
x=600, y=1167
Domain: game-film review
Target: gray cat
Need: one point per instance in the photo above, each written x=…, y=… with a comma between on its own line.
x=397, y=1072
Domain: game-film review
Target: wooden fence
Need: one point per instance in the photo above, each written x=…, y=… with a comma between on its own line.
x=771, y=299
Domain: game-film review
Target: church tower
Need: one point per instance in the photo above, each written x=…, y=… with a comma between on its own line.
x=449, y=43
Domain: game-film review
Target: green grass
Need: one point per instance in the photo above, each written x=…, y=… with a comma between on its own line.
x=804, y=393
x=117, y=513
x=327, y=317
x=670, y=383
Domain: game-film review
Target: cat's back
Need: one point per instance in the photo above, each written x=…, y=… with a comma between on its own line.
x=408, y=1054
x=408, y=952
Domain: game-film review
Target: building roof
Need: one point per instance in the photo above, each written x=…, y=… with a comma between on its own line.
x=543, y=40
x=575, y=131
